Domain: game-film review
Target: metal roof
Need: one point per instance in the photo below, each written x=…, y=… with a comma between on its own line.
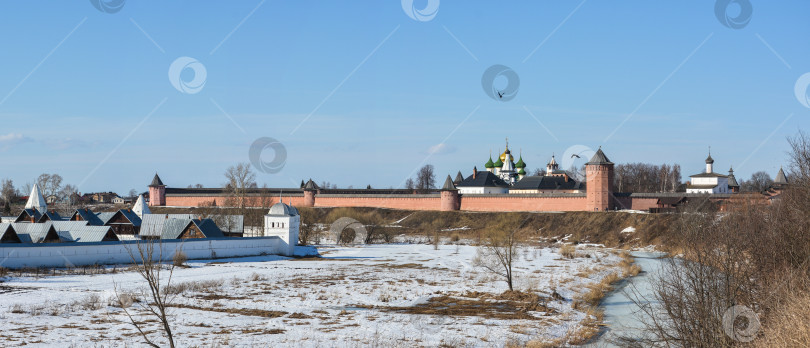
x=89, y=216
x=105, y=217
x=152, y=225
x=546, y=183
x=31, y=232
x=708, y=175
x=35, y=200
x=87, y=234
x=780, y=177
x=6, y=228
x=483, y=179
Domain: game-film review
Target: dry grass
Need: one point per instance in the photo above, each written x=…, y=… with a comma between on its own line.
x=568, y=251
x=241, y=311
x=508, y=305
x=596, y=292
x=789, y=325
x=628, y=265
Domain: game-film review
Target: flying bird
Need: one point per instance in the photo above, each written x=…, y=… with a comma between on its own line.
x=575, y=155
x=500, y=95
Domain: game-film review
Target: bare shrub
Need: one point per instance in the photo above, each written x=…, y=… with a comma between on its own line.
x=179, y=259
x=124, y=300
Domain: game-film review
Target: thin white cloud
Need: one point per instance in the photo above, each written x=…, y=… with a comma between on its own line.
x=9, y=140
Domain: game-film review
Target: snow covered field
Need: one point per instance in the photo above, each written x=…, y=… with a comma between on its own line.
x=384, y=295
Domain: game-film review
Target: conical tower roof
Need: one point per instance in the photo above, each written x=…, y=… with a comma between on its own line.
x=36, y=201
x=781, y=179
x=156, y=181
x=599, y=158
x=732, y=181
x=140, y=207
x=310, y=186
x=448, y=184
x=459, y=178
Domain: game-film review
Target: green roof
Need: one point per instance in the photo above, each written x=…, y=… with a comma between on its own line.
x=521, y=172
x=499, y=163
x=489, y=163
x=520, y=163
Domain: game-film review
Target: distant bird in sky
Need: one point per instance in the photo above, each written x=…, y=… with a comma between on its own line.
x=500, y=95
x=575, y=155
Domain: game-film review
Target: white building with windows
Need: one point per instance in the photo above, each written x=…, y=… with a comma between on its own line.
x=709, y=181
x=283, y=221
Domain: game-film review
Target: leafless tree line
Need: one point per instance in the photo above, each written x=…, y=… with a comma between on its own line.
x=645, y=177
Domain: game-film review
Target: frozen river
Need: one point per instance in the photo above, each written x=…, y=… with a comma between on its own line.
x=620, y=310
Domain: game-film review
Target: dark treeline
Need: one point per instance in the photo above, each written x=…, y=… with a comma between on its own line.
x=645, y=177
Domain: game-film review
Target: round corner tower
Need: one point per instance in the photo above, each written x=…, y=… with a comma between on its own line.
x=599, y=185
x=450, y=199
x=309, y=193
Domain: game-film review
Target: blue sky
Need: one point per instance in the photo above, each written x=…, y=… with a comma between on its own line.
x=360, y=93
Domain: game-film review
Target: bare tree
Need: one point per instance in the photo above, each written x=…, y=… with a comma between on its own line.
x=426, y=178
x=147, y=263
x=7, y=191
x=50, y=184
x=500, y=248
x=409, y=184
x=240, y=178
x=759, y=181
x=133, y=193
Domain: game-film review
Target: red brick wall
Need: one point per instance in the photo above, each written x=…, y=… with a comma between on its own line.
x=430, y=202
x=636, y=203
x=518, y=203
x=195, y=201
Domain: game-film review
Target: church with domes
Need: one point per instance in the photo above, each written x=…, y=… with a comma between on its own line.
x=508, y=176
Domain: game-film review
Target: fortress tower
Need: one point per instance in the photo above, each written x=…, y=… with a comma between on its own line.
x=449, y=196
x=599, y=185
x=157, y=192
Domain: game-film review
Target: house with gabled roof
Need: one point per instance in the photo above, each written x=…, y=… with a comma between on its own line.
x=36, y=233
x=124, y=221
x=8, y=234
x=84, y=214
x=178, y=226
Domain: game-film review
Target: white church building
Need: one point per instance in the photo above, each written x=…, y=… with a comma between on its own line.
x=711, y=182
x=283, y=221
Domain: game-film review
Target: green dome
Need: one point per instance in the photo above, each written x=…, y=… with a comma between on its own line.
x=489, y=163
x=521, y=172
x=499, y=163
x=520, y=163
